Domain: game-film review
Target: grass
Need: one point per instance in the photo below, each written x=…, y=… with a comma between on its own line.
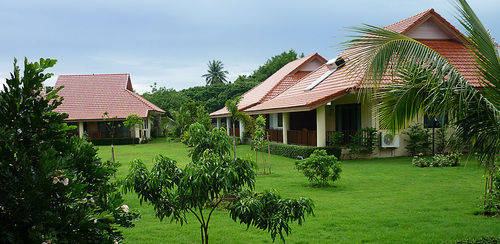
x=377, y=200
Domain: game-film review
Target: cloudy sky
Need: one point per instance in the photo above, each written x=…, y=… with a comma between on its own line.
x=170, y=42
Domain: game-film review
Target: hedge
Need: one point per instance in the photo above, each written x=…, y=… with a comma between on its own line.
x=294, y=151
x=116, y=141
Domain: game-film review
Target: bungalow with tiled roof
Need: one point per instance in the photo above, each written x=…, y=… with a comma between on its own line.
x=87, y=97
x=326, y=99
x=277, y=83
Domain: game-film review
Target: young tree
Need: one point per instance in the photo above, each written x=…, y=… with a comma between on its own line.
x=202, y=185
x=215, y=73
x=111, y=126
x=443, y=89
x=131, y=121
x=52, y=189
x=259, y=140
x=320, y=167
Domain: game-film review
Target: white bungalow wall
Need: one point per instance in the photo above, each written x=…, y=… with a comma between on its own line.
x=368, y=119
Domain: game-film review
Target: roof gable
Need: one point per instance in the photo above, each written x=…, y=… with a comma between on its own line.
x=87, y=97
x=429, y=27
x=278, y=82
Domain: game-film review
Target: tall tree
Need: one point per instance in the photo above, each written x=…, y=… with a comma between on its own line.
x=52, y=189
x=215, y=73
x=427, y=82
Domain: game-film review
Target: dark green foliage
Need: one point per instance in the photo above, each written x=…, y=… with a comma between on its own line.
x=270, y=67
x=296, y=151
x=363, y=141
x=214, y=97
x=115, y=141
x=216, y=140
x=186, y=115
x=268, y=211
x=166, y=99
x=484, y=240
x=419, y=139
x=320, y=168
x=336, y=139
x=51, y=188
x=441, y=139
x=492, y=201
x=438, y=160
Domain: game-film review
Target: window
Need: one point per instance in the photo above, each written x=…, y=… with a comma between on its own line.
x=434, y=121
x=280, y=120
x=348, y=117
x=146, y=121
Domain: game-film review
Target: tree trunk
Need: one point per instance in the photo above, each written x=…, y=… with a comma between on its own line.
x=234, y=142
x=269, y=155
x=256, y=157
x=202, y=234
x=206, y=234
x=264, y=164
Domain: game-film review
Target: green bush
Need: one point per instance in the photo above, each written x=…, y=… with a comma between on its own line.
x=483, y=240
x=296, y=151
x=363, y=141
x=53, y=189
x=492, y=201
x=336, y=139
x=320, y=167
x=438, y=160
x=116, y=141
x=419, y=139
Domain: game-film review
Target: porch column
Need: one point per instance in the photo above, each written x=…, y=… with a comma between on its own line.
x=80, y=129
x=321, y=126
x=218, y=123
x=242, y=128
x=228, y=125
x=286, y=127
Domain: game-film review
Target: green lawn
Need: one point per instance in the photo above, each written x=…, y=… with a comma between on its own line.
x=377, y=200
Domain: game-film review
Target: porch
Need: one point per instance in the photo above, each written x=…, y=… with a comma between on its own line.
x=315, y=127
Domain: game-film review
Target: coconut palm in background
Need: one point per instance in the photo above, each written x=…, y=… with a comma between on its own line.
x=425, y=82
x=215, y=73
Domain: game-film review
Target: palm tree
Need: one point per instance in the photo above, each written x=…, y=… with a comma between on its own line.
x=215, y=73
x=424, y=81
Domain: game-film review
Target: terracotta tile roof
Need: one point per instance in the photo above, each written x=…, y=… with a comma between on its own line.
x=341, y=81
x=87, y=97
x=272, y=85
x=404, y=25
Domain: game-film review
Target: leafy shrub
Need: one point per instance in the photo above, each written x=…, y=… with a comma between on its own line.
x=483, y=240
x=336, y=139
x=441, y=140
x=297, y=151
x=492, y=201
x=116, y=141
x=363, y=141
x=419, y=139
x=320, y=167
x=438, y=160
x=52, y=189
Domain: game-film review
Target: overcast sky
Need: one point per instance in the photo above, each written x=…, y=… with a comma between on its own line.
x=170, y=42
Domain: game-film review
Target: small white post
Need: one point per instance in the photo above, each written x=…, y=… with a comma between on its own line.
x=80, y=129
x=218, y=123
x=228, y=125
x=286, y=127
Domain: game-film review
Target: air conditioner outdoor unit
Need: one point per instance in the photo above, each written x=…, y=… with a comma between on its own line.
x=389, y=139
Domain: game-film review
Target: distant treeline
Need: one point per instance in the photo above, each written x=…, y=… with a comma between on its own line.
x=213, y=97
